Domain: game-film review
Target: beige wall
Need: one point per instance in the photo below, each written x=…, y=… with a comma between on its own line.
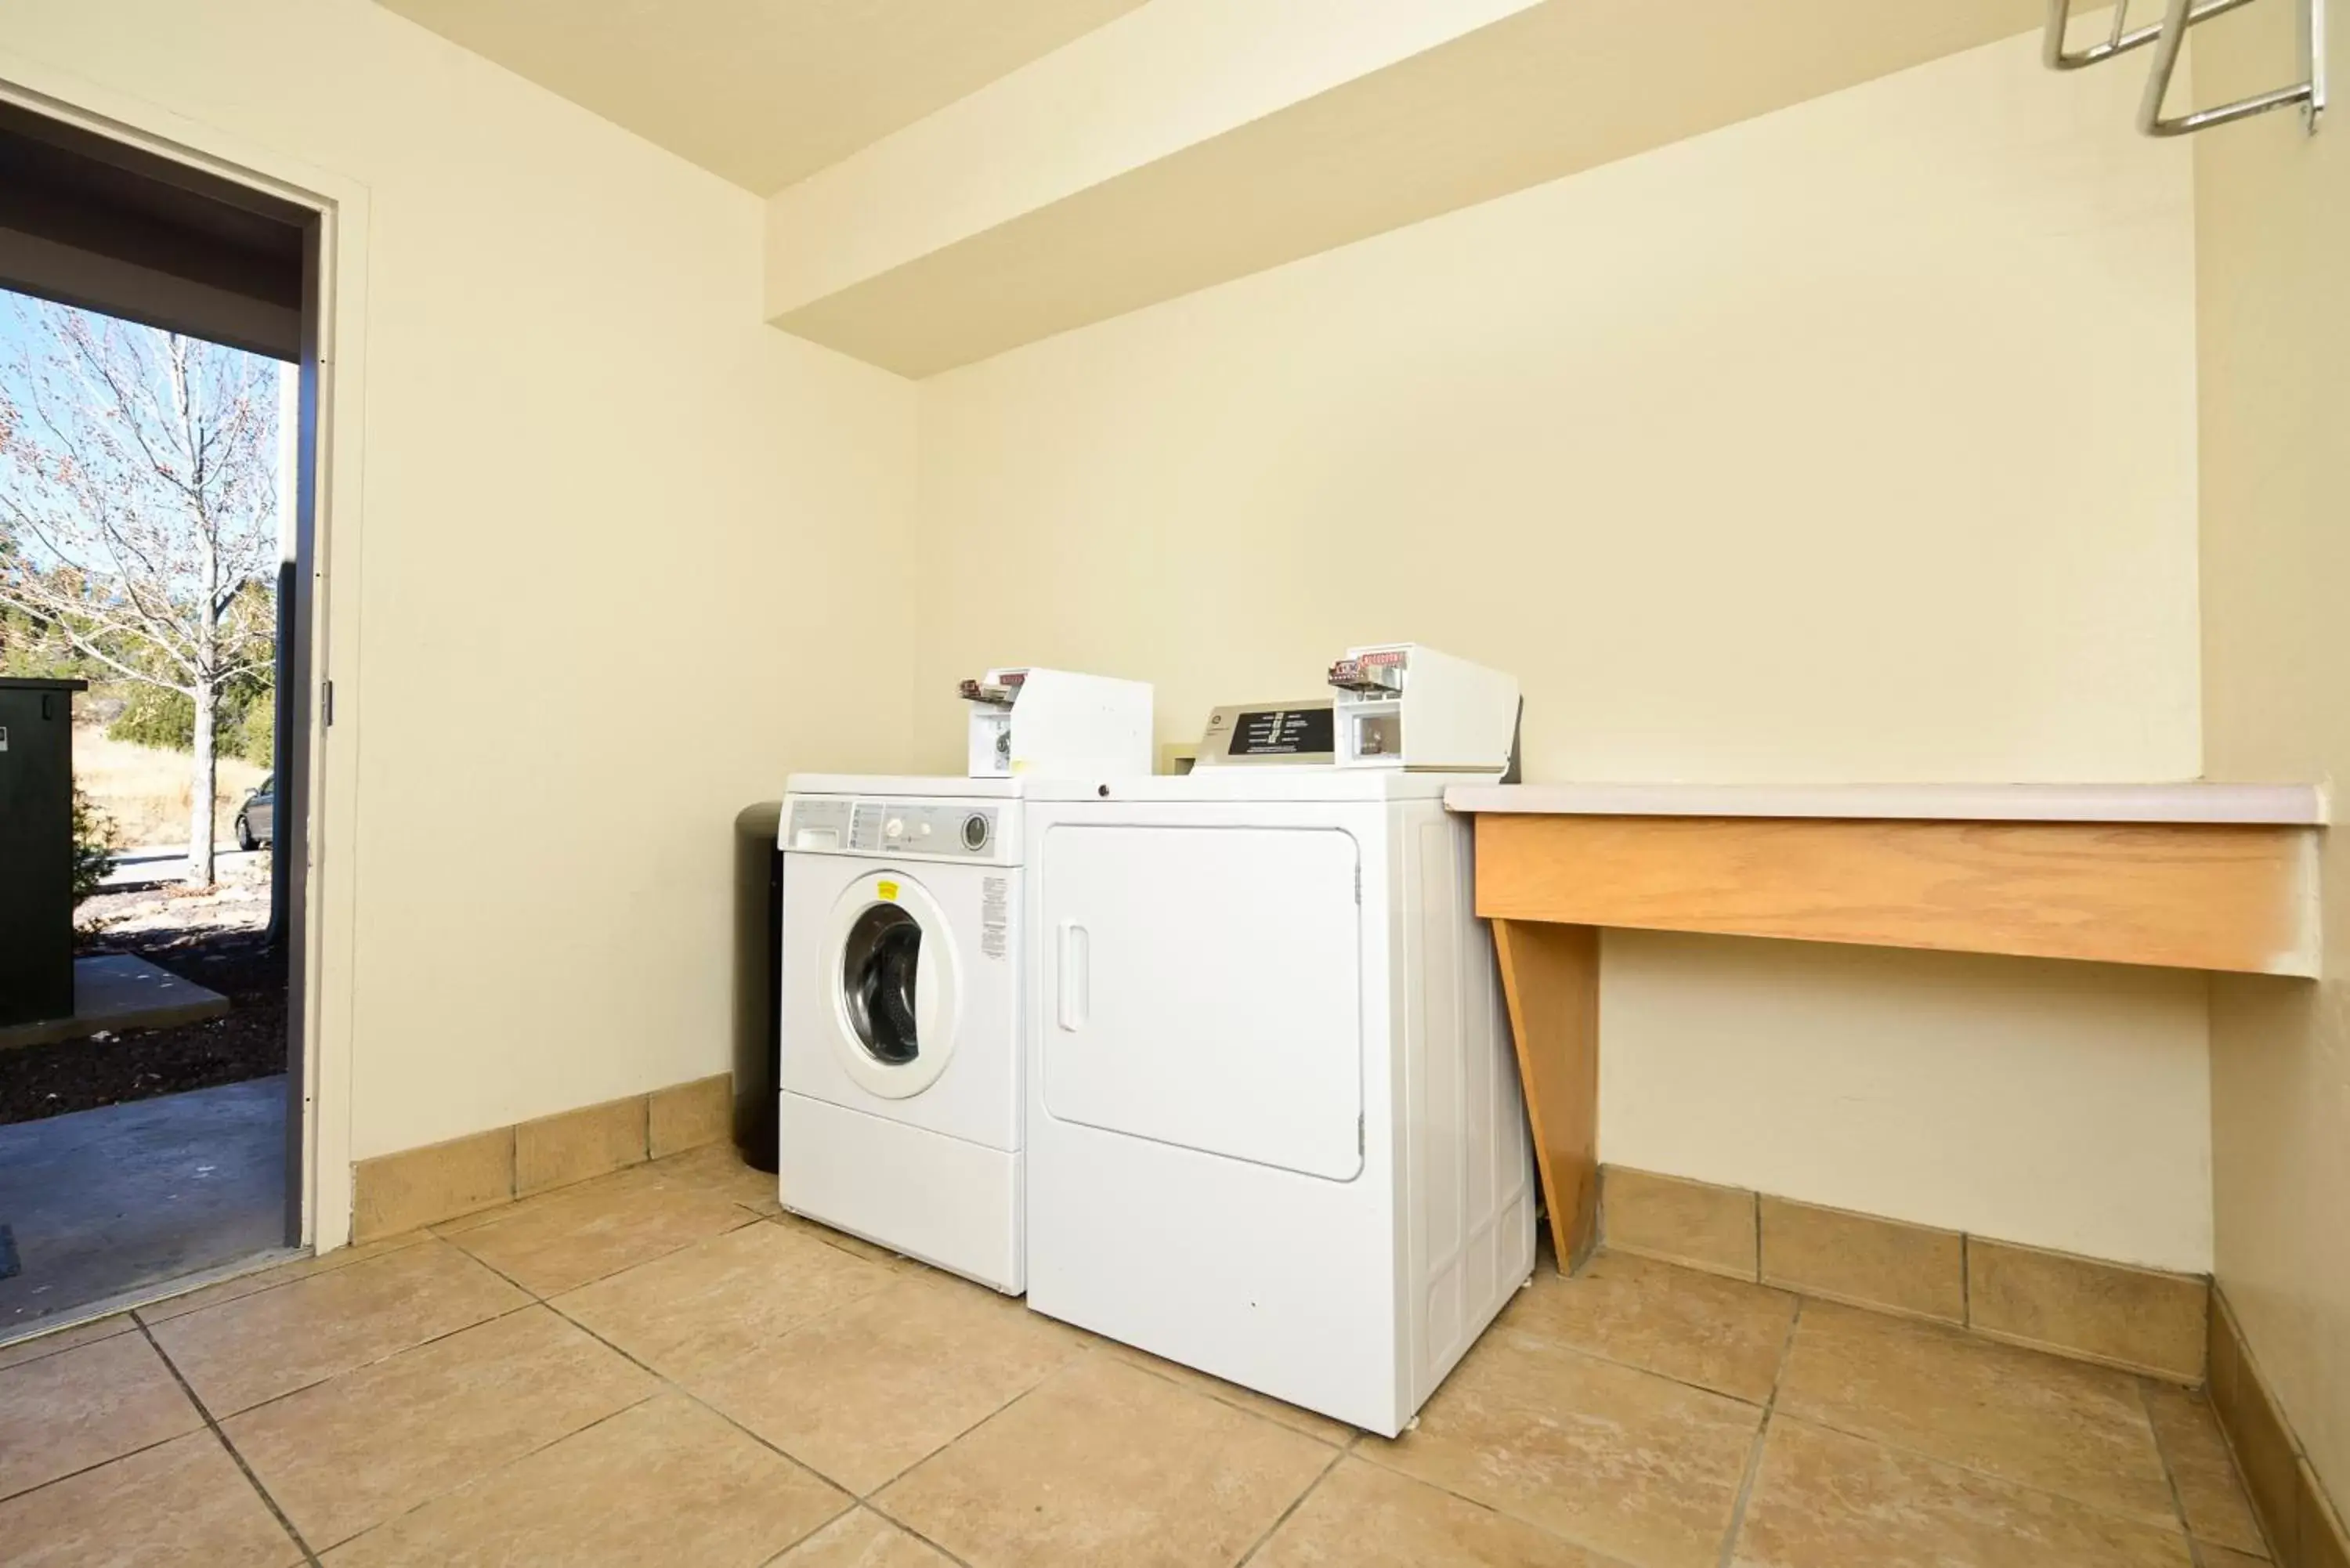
x=1788, y=452
x=2065, y=1104
x=1853, y=442
x=2273, y=248
x=601, y=544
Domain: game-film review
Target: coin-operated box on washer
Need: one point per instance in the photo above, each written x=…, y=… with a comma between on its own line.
x=1033, y=720
x=1403, y=705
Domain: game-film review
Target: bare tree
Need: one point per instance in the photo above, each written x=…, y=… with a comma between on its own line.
x=138, y=489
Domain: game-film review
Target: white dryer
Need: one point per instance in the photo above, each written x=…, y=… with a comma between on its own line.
x=1274, y=1129
x=900, y=1116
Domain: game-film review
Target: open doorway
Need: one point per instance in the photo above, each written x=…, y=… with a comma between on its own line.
x=157, y=376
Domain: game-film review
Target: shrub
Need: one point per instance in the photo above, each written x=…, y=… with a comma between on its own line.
x=252, y=735
x=152, y=716
x=244, y=722
x=95, y=840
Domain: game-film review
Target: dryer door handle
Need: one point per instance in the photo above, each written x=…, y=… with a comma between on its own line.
x=1076, y=980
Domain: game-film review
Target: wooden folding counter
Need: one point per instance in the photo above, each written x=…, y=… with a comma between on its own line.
x=2189, y=875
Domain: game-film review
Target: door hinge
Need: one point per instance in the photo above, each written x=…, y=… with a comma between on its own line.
x=327, y=704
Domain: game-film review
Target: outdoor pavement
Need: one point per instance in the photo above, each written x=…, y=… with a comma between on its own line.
x=155, y=863
x=115, y=991
x=105, y=1202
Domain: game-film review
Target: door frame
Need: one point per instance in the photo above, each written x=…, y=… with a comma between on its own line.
x=322, y=702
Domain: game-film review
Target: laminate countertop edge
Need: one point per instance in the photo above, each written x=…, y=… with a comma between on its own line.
x=2193, y=803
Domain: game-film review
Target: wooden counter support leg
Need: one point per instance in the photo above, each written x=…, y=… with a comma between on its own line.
x=1551, y=976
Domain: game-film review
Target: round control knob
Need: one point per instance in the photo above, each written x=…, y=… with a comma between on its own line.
x=892, y=829
x=974, y=831
x=922, y=830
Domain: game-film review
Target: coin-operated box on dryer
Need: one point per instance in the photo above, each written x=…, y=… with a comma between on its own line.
x=1406, y=706
x=1033, y=720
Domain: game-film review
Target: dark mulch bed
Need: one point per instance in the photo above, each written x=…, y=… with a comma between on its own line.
x=249, y=1041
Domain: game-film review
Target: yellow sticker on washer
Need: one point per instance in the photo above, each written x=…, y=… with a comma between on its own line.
x=888, y=891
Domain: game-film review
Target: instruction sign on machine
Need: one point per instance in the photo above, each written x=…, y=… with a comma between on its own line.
x=1399, y=705
x=1287, y=734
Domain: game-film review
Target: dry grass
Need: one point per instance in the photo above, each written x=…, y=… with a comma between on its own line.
x=146, y=791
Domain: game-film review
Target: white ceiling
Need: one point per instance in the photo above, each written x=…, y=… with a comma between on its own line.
x=764, y=92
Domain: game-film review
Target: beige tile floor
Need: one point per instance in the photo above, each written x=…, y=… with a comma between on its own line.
x=657, y=1366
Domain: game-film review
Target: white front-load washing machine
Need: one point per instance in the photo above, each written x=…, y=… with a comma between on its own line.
x=901, y=1117
x=1274, y=1129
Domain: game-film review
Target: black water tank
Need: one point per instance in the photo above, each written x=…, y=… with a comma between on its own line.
x=36, y=849
x=758, y=979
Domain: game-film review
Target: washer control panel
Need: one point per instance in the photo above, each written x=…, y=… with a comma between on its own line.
x=932, y=829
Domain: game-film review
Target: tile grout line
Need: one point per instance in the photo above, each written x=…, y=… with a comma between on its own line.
x=533, y=1299
x=1643, y=1368
x=229, y=1447
x=474, y=1220
x=1966, y=1263
x=1761, y=1435
x=457, y=1242
x=1356, y=1444
x=1259, y=1544
x=2101, y=1509
x=665, y=1382
x=97, y=1465
x=333, y=1263
x=863, y=1499
x=894, y=1522
x=903, y=1472
x=128, y=1304
x=2170, y=1470
x=2225, y=1318
x=129, y=1326
x=1964, y=1322
x=2243, y=1485
x=786, y=1220
x=139, y=1312
x=1354, y=1433
x=499, y=1469
x=135, y=1323
x=856, y=1500
x=861, y=1506
x=362, y=1366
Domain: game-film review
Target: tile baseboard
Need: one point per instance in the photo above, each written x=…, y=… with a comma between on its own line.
x=417, y=1187
x=687, y=1115
x=2142, y=1320
x=1693, y=1223
x=2304, y=1530
x=572, y=1146
x=2139, y=1319
x=1912, y=1271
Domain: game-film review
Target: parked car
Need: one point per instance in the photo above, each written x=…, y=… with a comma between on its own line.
x=257, y=819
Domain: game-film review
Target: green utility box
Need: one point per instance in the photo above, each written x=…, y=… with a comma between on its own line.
x=37, y=977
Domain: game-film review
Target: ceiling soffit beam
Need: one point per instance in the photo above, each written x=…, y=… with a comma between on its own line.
x=1168, y=77
x=1055, y=198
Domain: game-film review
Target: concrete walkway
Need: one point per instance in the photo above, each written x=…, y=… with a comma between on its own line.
x=116, y=992
x=100, y=1202
x=154, y=863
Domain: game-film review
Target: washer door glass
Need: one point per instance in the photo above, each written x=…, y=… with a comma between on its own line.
x=892, y=966
x=881, y=964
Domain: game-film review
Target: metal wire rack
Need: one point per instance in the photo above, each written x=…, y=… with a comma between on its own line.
x=2169, y=36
